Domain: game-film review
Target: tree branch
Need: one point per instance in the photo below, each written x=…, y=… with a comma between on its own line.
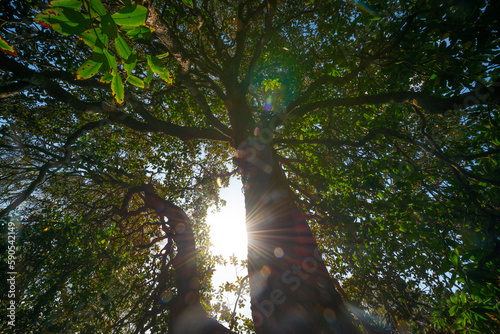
x=202, y=102
x=34, y=78
x=186, y=303
x=45, y=168
x=169, y=40
x=156, y=125
x=14, y=88
x=432, y=104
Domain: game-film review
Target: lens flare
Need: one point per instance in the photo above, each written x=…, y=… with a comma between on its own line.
x=329, y=315
x=268, y=105
x=363, y=7
x=265, y=271
x=180, y=228
x=165, y=296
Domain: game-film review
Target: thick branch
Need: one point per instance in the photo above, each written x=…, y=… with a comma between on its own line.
x=15, y=88
x=168, y=39
x=52, y=88
x=28, y=191
x=174, y=45
x=156, y=125
x=431, y=104
x=187, y=315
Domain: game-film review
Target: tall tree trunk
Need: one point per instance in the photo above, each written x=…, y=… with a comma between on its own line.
x=291, y=290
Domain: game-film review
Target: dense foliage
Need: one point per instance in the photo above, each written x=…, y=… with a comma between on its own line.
x=384, y=118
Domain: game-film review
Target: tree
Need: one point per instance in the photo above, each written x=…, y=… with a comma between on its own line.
x=366, y=138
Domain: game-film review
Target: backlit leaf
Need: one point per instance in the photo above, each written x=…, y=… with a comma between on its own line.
x=156, y=66
x=454, y=257
x=122, y=48
x=131, y=16
x=59, y=14
x=64, y=20
x=73, y=4
x=111, y=61
x=98, y=7
x=95, y=39
x=6, y=47
x=106, y=78
x=117, y=89
x=132, y=79
x=88, y=69
x=130, y=62
x=143, y=31
x=188, y=3
x=149, y=78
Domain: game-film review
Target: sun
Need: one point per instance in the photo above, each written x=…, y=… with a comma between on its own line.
x=228, y=236
x=227, y=227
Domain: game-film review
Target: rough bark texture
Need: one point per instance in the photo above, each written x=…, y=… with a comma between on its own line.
x=291, y=290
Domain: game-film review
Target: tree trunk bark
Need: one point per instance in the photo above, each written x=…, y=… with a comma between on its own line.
x=290, y=288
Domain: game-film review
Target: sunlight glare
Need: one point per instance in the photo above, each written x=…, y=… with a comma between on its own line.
x=227, y=227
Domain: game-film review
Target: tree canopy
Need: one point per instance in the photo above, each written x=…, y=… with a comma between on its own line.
x=121, y=119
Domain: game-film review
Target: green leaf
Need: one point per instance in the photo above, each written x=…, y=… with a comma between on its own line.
x=106, y=78
x=117, y=89
x=453, y=310
x=108, y=26
x=453, y=280
x=463, y=297
x=454, y=257
x=122, y=48
x=98, y=7
x=88, y=69
x=131, y=16
x=111, y=61
x=434, y=76
x=64, y=20
x=167, y=77
x=149, y=77
x=6, y=47
x=188, y=3
x=73, y=4
x=130, y=62
x=66, y=29
x=95, y=39
x=143, y=31
x=335, y=73
x=156, y=66
x=163, y=55
x=132, y=79
x=66, y=15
